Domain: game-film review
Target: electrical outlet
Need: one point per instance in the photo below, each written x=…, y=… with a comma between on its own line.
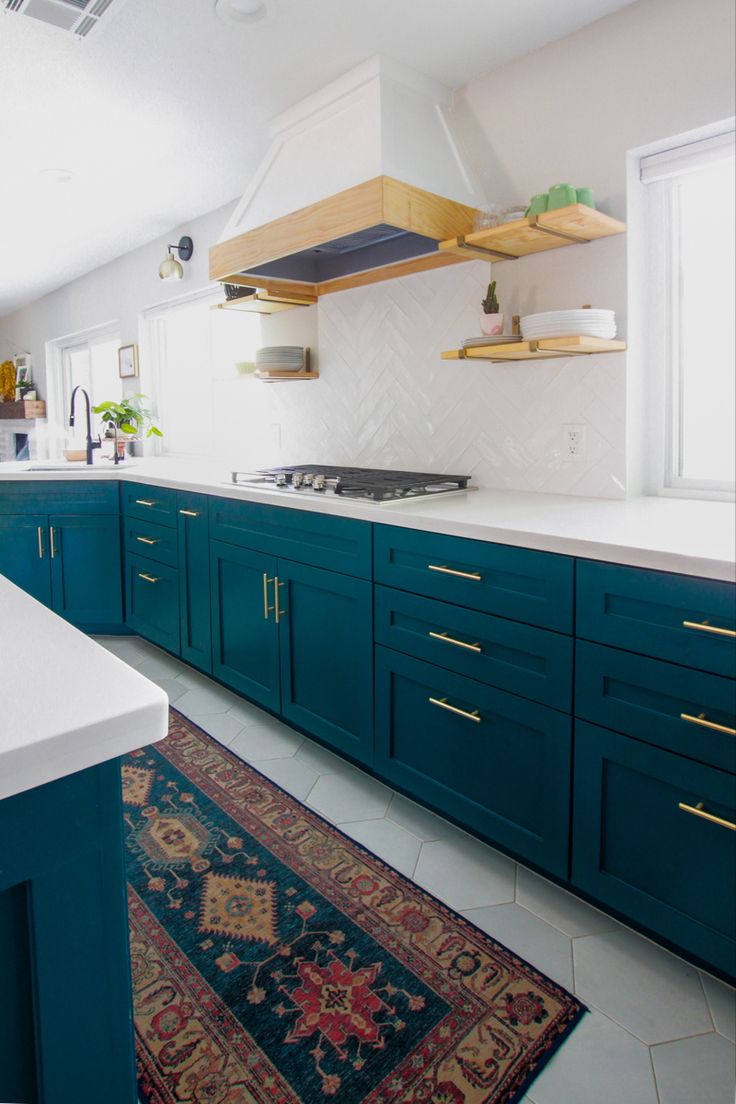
x=573, y=443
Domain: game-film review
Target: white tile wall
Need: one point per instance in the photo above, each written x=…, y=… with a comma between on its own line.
x=36, y=438
x=386, y=399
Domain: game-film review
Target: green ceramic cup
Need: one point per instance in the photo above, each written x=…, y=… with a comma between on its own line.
x=561, y=195
x=537, y=204
x=585, y=196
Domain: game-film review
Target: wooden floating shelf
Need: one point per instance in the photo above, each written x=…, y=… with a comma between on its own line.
x=26, y=409
x=265, y=302
x=542, y=349
x=572, y=225
x=277, y=376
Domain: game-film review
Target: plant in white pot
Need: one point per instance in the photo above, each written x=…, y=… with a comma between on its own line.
x=128, y=417
x=491, y=321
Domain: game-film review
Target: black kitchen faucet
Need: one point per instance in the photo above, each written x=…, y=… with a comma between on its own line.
x=91, y=445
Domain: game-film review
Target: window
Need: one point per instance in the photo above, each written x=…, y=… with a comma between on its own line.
x=690, y=195
x=195, y=351
x=93, y=365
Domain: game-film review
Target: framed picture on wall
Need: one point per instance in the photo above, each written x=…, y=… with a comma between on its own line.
x=128, y=361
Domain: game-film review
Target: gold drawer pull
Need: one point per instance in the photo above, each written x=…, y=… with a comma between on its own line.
x=443, y=703
x=144, y=502
x=458, y=643
x=189, y=513
x=53, y=542
x=279, y=611
x=148, y=578
x=266, y=608
x=148, y=540
x=451, y=571
x=40, y=542
x=699, y=811
x=705, y=626
x=702, y=720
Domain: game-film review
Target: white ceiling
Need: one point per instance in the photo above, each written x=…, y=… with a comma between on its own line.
x=162, y=113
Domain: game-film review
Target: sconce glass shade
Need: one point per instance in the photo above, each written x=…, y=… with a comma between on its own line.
x=170, y=268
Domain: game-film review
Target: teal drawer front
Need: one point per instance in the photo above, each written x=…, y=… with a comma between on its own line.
x=637, y=851
x=335, y=543
x=524, y=660
x=152, y=595
x=147, y=503
x=535, y=587
x=155, y=542
x=646, y=611
x=505, y=775
x=677, y=708
x=63, y=496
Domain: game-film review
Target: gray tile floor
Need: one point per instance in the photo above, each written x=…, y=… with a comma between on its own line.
x=660, y=1031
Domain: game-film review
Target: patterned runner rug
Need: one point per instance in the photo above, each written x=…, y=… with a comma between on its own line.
x=275, y=961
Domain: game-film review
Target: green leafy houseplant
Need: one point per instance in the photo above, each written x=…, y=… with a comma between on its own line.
x=128, y=416
x=490, y=303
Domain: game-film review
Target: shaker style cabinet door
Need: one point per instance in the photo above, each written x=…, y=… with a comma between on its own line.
x=326, y=631
x=245, y=635
x=25, y=554
x=86, y=580
x=194, y=580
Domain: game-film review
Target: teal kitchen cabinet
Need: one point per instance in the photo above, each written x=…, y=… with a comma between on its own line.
x=24, y=552
x=298, y=640
x=245, y=637
x=495, y=762
x=195, y=642
x=326, y=649
x=68, y=562
x=654, y=839
x=152, y=596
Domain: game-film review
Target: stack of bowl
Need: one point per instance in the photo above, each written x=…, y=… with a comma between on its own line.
x=585, y=322
x=281, y=358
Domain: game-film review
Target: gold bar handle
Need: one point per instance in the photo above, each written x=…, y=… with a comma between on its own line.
x=451, y=571
x=279, y=612
x=148, y=540
x=266, y=608
x=40, y=542
x=443, y=703
x=704, y=626
x=144, y=502
x=148, y=578
x=189, y=513
x=458, y=643
x=699, y=811
x=53, y=542
x=702, y=720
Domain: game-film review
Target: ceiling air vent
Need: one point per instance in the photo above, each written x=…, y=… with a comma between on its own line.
x=78, y=16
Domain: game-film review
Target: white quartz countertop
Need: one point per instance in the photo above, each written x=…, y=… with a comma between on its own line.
x=687, y=536
x=65, y=702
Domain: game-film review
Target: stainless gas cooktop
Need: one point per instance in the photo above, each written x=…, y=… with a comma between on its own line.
x=372, y=484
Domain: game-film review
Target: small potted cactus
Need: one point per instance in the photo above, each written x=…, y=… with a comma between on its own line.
x=491, y=321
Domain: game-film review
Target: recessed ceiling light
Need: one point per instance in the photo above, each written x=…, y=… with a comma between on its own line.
x=245, y=11
x=56, y=176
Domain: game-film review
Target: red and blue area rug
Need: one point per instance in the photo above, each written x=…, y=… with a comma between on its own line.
x=275, y=961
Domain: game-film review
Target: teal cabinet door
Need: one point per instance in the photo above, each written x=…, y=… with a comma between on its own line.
x=653, y=838
x=25, y=554
x=194, y=580
x=86, y=577
x=497, y=763
x=152, y=594
x=326, y=631
x=245, y=635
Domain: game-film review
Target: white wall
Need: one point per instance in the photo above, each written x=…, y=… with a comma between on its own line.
x=568, y=112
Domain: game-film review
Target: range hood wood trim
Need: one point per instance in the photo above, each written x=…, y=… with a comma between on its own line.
x=380, y=200
x=390, y=272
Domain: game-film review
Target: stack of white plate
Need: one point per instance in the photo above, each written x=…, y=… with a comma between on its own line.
x=281, y=358
x=564, y=323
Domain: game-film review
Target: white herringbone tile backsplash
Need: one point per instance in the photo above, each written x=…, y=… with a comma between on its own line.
x=385, y=399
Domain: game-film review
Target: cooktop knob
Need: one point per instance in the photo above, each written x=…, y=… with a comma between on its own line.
x=280, y=479
x=319, y=482
x=296, y=479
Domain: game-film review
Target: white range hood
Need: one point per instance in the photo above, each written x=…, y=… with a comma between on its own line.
x=363, y=174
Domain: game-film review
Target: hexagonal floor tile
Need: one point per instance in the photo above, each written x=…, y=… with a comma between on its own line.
x=391, y=843
x=464, y=873
x=524, y=933
x=294, y=777
x=349, y=797
x=722, y=1003
x=222, y=726
x=599, y=1063
x=701, y=1069
x=651, y=993
x=420, y=822
x=271, y=740
x=322, y=760
x=558, y=907
x=201, y=700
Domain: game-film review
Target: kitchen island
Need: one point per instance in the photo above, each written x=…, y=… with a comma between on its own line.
x=68, y=710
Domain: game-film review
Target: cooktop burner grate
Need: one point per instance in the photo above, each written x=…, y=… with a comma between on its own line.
x=376, y=484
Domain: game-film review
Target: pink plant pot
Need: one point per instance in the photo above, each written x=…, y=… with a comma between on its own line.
x=491, y=324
